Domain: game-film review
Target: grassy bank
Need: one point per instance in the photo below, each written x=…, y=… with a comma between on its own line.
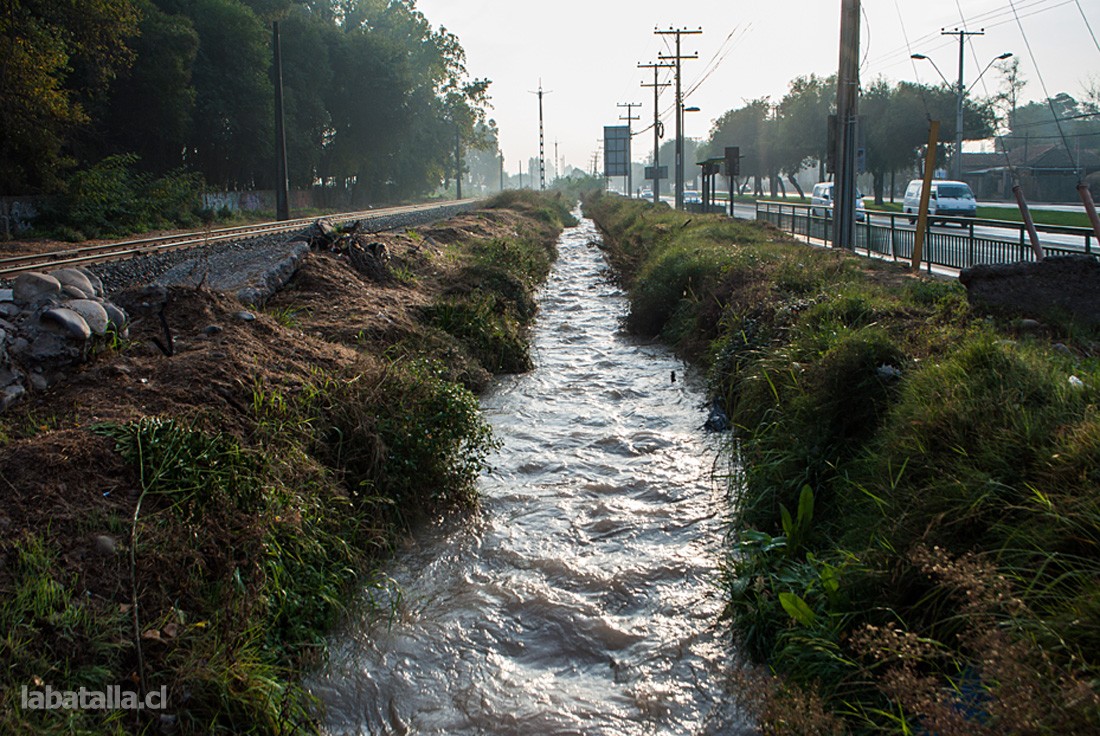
x=198, y=521
x=916, y=525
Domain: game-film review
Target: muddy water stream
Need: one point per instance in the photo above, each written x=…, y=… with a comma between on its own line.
x=581, y=598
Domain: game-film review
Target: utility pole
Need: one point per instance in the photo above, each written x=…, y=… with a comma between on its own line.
x=960, y=94
x=542, y=143
x=557, y=167
x=458, y=162
x=657, y=126
x=282, y=195
x=847, y=110
x=678, y=57
x=630, y=139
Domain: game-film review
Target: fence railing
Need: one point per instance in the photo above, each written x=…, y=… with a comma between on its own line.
x=891, y=235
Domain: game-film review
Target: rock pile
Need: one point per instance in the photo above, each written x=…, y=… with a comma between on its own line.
x=49, y=323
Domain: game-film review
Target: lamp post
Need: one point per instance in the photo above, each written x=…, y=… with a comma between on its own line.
x=960, y=91
x=680, y=172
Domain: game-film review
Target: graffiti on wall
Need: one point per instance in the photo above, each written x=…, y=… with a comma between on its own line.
x=16, y=215
x=239, y=201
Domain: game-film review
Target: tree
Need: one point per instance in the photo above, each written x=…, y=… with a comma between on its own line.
x=744, y=127
x=232, y=139
x=802, y=135
x=54, y=58
x=152, y=103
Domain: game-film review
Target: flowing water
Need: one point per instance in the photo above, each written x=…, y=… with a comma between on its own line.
x=581, y=598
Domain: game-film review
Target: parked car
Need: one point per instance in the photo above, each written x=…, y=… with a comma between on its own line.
x=821, y=199
x=948, y=197
x=692, y=196
x=646, y=193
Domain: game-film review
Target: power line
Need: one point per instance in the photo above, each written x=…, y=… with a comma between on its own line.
x=1039, y=74
x=988, y=19
x=1089, y=27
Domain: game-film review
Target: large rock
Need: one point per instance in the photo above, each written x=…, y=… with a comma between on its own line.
x=75, y=279
x=94, y=314
x=32, y=287
x=1068, y=284
x=70, y=322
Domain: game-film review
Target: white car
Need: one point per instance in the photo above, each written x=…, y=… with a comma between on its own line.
x=692, y=196
x=821, y=201
x=948, y=197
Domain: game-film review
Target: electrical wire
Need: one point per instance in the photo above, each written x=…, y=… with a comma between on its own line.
x=988, y=19
x=1089, y=27
x=1039, y=74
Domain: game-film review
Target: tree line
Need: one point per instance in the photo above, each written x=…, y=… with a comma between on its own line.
x=780, y=139
x=376, y=100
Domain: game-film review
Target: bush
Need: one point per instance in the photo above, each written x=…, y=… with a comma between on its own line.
x=114, y=198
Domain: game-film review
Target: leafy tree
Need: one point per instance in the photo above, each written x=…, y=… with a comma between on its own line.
x=803, y=125
x=745, y=128
x=232, y=139
x=43, y=45
x=152, y=103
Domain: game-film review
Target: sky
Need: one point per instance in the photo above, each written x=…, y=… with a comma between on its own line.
x=586, y=52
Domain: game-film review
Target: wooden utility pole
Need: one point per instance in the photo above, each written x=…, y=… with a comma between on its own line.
x=657, y=132
x=282, y=194
x=678, y=57
x=847, y=111
x=630, y=117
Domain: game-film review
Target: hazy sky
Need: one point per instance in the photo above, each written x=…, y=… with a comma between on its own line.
x=586, y=53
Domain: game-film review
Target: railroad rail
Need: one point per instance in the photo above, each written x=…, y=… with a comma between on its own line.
x=14, y=265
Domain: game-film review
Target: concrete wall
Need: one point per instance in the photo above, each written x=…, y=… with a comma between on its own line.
x=17, y=215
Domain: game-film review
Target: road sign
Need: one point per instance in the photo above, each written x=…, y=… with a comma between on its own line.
x=660, y=171
x=733, y=161
x=616, y=150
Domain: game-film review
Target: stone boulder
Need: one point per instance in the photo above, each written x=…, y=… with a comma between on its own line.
x=49, y=323
x=30, y=288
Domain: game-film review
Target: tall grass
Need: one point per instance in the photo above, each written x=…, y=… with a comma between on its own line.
x=946, y=579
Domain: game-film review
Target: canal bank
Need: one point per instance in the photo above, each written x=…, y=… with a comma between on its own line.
x=914, y=530
x=195, y=516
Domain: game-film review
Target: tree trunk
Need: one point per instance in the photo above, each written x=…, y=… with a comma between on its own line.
x=893, y=185
x=782, y=187
x=794, y=182
x=879, y=181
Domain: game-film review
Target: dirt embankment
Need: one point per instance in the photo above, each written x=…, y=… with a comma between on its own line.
x=189, y=509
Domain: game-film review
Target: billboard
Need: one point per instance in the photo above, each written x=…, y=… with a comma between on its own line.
x=656, y=172
x=616, y=150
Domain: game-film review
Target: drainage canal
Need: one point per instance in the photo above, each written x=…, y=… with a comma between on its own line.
x=581, y=599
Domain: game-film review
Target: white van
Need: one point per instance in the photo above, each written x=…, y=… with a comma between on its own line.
x=821, y=201
x=948, y=197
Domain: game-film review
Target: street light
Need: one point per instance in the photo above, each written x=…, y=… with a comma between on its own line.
x=960, y=93
x=680, y=163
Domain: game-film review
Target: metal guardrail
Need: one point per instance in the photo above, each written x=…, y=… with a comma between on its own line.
x=946, y=249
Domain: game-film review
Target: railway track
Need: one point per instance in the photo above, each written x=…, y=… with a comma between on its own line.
x=14, y=265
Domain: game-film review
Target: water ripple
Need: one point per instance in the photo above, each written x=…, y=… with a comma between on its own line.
x=581, y=599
